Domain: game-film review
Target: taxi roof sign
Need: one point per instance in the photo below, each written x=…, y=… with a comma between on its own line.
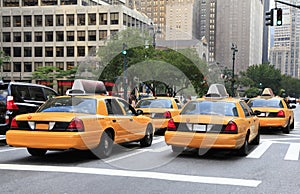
x=217, y=90
x=267, y=92
x=83, y=87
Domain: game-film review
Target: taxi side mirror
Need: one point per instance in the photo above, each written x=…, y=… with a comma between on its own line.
x=292, y=106
x=257, y=112
x=139, y=112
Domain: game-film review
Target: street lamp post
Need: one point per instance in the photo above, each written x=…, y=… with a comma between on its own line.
x=124, y=52
x=234, y=50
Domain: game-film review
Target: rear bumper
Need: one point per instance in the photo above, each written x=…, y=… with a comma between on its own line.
x=52, y=140
x=204, y=140
x=273, y=122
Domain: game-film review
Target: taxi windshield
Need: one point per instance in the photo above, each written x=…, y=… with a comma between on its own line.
x=75, y=105
x=210, y=108
x=154, y=103
x=275, y=103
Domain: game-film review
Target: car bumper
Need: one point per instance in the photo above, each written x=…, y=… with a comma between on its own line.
x=52, y=140
x=204, y=140
x=160, y=123
x=273, y=122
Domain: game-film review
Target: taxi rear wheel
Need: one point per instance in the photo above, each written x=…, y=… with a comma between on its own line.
x=244, y=150
x=36, y=152
x=148, y=138
x=105, y=146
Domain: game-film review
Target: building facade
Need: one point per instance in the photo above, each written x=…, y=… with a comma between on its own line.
x=59, y=33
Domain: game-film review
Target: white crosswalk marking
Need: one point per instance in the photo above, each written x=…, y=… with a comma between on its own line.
x=2, y=137
x=293, y=152
x=260, y=150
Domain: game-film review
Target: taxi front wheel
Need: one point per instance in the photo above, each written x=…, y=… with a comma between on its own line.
x=244, y=150
x=36, y=152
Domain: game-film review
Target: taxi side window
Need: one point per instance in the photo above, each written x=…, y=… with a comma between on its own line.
x=178, y=104
x=129, y=110
x=245, y=109
x=113, y=108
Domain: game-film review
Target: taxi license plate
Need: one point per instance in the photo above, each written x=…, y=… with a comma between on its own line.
x=199, y=127
x=42, y=126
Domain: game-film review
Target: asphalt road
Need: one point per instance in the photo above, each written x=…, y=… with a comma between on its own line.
x=271, y=167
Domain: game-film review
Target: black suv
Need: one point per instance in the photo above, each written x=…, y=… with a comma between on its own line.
x=19, y=98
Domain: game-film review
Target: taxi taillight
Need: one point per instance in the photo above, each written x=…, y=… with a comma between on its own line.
x=171, y=125
x=76, y=125
x=10, y=103
x=14, y=124
x=167, y=115
x=231, y=127
x=281, y=114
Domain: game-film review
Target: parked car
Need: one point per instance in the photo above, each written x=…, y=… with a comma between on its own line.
x=83, y=121
x=20, y=98
x=215, y=121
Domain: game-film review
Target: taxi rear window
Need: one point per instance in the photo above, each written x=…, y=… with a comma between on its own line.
x=155, y=103
x=75, y=105
x=210, y=108
x=274, y=103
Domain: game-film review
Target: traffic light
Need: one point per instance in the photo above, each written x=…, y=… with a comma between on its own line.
x=279, y=17
x=269, y=17
x=124, y=51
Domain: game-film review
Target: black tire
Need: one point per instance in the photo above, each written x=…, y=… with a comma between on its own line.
x=104, y=149
x=177, y=149
x=148, y=138
x=287, y=129
x=36, y=152
x=256, y=140
x=244, y=150
x=293, y=124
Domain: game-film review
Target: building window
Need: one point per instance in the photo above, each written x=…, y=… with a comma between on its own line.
x=30, y=2
x=70, y=65
x=80, y=19
x=49, y=64
x=17, y=36
x=17, y=51
x=59, y=36
x=48, y=2
x=81, y=51
x=59, y=51
x=70, y=36
x=70, y=20
x=6, y=21
x=38, y=20
x=38, y=51
x=59, y=20
x=10, y=3
x=48, y=20
x=6, y=67
x=17, y=21
x=92, y=19
x=102, y=34
x=60, y=65
x=7, y=51
x=27, y=67
x=27, y=52
x=27, y=21
x=92, y=35
x=81, y=35
x=49, y=36
x=92, y=51
x=27, y=37
x=17, y=66
x=114, y=18
x=103, y=18
x=114, y=34
x=69, y=2
x=70, y=51
x=6, y=37
x=38, y=36
x=49, y=51
x=37, y=65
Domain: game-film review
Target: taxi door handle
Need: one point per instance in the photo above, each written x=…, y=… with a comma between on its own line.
x=130, y=119
x=114, y=120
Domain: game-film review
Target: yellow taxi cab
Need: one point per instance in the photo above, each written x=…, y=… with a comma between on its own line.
x=214, y=121
x=160, y=110
x=85, y=119
x=275, y=111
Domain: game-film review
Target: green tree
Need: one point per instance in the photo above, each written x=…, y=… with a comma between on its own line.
x=3, y=58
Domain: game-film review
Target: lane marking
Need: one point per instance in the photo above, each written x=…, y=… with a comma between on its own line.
x=158, y=140
x=260, y=150
x=2, y=137
x=293, y=152
x=11, y=149
x=136, y=152
x=135, y=174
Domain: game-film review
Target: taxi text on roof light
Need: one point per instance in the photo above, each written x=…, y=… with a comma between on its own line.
x=217, y=90
x=267, y=92
x=83, y=87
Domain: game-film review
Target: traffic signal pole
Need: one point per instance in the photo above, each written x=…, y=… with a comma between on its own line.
x=297, y=6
